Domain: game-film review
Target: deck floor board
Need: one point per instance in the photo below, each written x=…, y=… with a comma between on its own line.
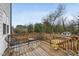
x=39, y=48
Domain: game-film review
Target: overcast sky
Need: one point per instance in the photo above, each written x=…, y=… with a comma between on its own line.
x=34, y=13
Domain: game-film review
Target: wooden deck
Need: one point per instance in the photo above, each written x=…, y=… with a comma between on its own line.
x=36, y=48
x=45, y=47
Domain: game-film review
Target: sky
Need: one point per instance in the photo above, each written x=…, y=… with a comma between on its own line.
x=31, y=13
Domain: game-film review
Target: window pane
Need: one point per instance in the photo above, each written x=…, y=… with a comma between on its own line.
x=4, y=28
x=7, y=28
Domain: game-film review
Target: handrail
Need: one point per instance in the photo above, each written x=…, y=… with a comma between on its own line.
x=19, y=39
x=71, y=44
x=65, y=43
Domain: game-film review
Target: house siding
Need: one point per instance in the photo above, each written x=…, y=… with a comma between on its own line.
x=4, y=19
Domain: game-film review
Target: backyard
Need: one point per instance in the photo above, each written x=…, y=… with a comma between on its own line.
x=54, y=35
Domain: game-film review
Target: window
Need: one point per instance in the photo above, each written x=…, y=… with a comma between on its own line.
x=7, y=28
x=4, y=28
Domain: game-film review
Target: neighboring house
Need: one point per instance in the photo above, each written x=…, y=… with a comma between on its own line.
x=66, y=34
x=4, y=25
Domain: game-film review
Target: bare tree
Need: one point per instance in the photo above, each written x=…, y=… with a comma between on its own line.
x=72, y=26
x=77, y=22
x=63, y=23
x=54, y=16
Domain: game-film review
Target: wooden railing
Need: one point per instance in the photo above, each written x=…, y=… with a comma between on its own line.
x=15, y=40
x=69, y=45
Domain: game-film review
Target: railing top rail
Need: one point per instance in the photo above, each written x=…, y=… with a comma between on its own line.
x=71, y=39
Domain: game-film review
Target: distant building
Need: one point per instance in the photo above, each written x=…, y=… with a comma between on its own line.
x=4, y=26
x=66, y=34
